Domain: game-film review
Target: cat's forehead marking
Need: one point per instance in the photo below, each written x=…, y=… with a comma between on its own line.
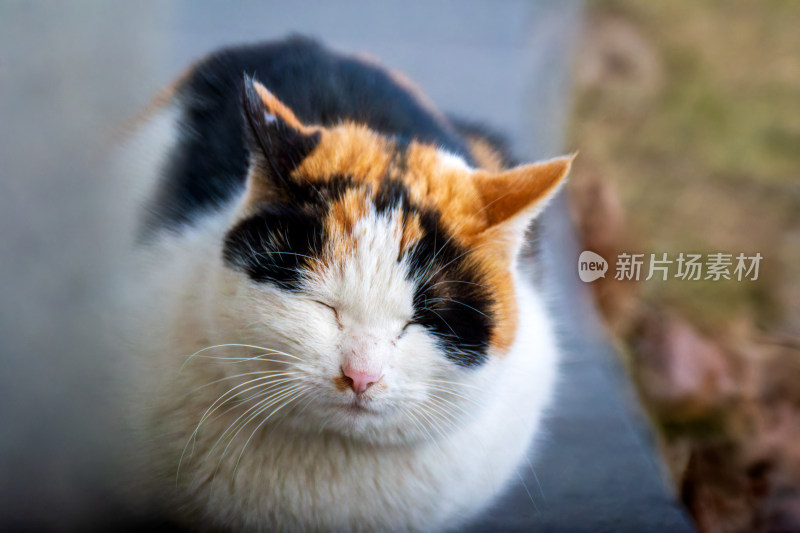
x=362, y=273
x=433, y=177
x=344, y=222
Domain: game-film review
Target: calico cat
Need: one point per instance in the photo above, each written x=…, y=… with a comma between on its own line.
x=336, y=330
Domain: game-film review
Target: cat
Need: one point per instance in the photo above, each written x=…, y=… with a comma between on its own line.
x=335, y=328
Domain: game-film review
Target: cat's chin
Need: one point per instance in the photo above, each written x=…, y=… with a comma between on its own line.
x=361, y=409
x=366, y=423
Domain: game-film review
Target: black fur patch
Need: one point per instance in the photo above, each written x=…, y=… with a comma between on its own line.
x=279, y=242
x=450, y=298
x=274, y=246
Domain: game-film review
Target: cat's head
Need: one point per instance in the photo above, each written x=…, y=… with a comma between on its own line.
x=376, y=272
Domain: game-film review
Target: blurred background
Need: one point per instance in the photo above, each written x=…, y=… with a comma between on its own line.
x=680, y=402
x=688, y=120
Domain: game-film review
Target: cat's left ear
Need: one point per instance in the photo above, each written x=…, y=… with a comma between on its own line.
x=276, y=139
x=513, y=198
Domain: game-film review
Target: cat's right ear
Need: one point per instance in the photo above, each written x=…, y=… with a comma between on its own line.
x=276, y=140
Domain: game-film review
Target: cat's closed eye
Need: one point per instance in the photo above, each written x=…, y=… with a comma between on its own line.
x=332, y=308
x=408, y=323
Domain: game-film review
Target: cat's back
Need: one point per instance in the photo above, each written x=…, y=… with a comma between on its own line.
x=206, y=163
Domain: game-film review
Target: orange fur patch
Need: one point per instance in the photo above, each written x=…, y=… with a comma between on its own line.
x=354, y=150
x=496, y=274
x=512, y=193
x=409, y=230
x=278, y=108
x=343, y=216
x=348, y=149
x=342, y=383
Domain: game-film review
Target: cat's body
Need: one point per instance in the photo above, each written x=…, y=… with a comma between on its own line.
x=335, y=236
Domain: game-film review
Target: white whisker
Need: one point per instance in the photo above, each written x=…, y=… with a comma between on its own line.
x=454, y=393
x=458, y=383
x=269, y=350
x=217, y=404
x=275, y=392
x=259, y=372
x=284, y=404
x=270, y=401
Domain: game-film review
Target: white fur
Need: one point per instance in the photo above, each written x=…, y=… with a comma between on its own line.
x=401, y=463
x=139, y=164
x=452, y=160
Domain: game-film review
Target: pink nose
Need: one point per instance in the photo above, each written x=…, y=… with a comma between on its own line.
x=360, y=380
